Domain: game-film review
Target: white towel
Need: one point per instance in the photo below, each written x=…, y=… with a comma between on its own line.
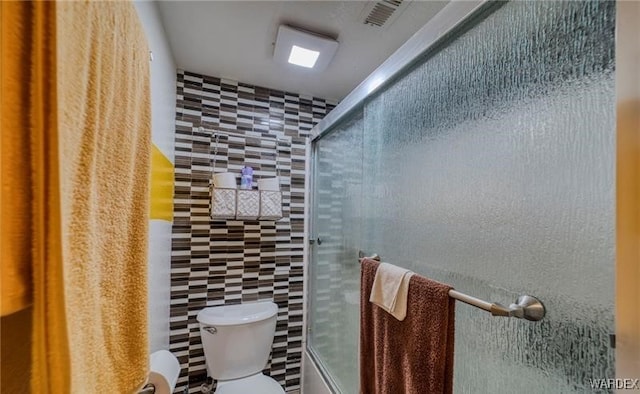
x=390, y=289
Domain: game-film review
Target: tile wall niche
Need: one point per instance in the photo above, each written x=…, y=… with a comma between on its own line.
x=226, y=262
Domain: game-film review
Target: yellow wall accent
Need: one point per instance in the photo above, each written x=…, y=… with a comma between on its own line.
x=161, y=186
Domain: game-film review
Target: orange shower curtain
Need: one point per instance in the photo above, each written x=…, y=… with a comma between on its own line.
x=32, y=293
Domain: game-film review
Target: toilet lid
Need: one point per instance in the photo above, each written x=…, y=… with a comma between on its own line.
x=256, y=384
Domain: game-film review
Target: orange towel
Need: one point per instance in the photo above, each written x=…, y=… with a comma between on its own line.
x=414, y=356
x=30, y=228
x=105, y=133
x=75, y=196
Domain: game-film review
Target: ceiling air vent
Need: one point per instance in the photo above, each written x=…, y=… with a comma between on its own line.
x=381, y=12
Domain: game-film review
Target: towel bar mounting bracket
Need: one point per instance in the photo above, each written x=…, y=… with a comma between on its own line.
x=526, y=307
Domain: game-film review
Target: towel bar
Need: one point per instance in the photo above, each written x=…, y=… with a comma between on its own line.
x=148, y=389
x=362, y=255
x=526, y=307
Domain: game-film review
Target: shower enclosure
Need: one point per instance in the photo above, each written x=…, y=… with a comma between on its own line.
x=487, y=163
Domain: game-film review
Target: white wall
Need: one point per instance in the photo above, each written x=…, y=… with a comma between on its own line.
x=163, y=111
x=163, y=78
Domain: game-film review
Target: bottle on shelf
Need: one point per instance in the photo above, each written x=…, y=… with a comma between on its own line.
x=247, y=178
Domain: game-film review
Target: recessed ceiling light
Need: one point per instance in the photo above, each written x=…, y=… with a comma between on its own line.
x=303, y=48
x=303, y=57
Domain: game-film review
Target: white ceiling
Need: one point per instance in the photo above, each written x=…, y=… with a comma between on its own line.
x=234, y=40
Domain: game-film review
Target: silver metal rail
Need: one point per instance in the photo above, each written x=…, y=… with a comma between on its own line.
x=526, y=306
x=451, y=17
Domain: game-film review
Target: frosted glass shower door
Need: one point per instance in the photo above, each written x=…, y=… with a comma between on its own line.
x=334, y=270
x=488, y=165
x=503, y=142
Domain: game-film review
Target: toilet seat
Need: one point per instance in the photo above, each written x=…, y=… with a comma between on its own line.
x=255, y=384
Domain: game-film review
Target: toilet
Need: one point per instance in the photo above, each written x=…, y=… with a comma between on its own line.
x=237, y=341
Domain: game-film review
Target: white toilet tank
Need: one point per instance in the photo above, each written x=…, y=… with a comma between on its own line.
x=237, y=339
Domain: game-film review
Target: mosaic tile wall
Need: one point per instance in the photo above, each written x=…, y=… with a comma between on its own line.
x=225, y=262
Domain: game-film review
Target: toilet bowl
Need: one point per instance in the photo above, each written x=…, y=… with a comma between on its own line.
x=237, y=341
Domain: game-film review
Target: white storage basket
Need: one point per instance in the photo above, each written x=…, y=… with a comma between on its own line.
x=270, y=205
x=248, y=204
x=223, y=203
